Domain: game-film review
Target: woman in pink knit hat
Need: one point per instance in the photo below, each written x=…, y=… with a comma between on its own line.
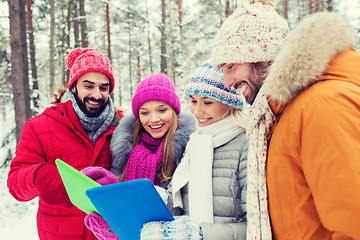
x=148, y=143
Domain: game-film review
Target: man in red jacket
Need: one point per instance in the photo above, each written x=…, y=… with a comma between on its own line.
x=77, y=129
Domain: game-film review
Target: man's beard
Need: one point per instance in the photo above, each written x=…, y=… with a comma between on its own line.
x=95, y=111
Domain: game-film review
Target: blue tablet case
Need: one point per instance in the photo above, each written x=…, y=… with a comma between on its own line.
x=127, y=206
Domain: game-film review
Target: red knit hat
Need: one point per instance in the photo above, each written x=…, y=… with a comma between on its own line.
x=84, y=60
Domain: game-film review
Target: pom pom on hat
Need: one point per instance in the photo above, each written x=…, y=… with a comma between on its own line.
x=208, y=81
x=157, y=87
x=84, y=60
x=253, y=33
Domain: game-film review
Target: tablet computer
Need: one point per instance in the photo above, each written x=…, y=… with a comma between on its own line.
x=76, y=184
x=127, y=206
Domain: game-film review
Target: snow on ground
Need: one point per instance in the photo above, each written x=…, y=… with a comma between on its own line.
x=17, y=219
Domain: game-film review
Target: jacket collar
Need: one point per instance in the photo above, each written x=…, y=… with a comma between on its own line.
x=306, y=55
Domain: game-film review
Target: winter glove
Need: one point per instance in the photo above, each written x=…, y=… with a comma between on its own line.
x=95, y=223
x=51, y=189
x=163, y=194
x=100, y=175
x=182, y=228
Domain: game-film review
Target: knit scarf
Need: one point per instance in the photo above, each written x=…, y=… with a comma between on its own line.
x=144, y=158
x=195, y=169
x=261, y=118
x=96, y=125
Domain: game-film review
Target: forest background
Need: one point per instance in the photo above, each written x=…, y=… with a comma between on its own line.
x=140, y=37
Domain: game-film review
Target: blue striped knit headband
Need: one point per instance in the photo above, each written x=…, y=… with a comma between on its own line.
x=208, y=81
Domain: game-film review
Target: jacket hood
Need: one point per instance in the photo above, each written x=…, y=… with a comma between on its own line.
x=306, y=55
x=122, y=140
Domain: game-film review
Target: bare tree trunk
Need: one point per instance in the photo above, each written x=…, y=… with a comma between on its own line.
x=310, y=7
x=329, y=5
x=285, y=5
x=52, y=45
x=227, y=8
x=163, y=38
x=76, y=23
x=67, y=22
x=316, y=5
x=139, y=69
x=19, y=62
x=84, y=40
x=35, y=86
x=322, y=5
x=180, y=19
x=148, y=36
x=130, y=56
x=108, y=30
x=66, y=39
x=119, y=81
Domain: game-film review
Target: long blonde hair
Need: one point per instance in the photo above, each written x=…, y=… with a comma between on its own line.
x=167, y=165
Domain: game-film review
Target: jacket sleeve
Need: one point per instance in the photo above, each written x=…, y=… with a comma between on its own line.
x=330, y=155
x=225, y=231
x=28, y=158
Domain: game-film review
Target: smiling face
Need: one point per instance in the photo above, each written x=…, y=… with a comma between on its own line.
x=207, y=110
x=91, y=91
x=242, y=76
x=156, y=118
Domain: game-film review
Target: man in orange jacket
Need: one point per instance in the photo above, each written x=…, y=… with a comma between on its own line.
x=304, y=126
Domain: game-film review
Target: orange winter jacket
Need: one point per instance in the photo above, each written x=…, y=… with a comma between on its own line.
x=313, y=166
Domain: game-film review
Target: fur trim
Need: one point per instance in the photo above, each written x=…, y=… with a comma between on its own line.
x=58, y=93
x=182, y=135
x=122, y=140
x=306, y=54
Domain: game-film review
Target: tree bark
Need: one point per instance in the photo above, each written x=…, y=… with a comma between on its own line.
x=329, y=5
x=52, y=45
x=285, y=5
x=148, y=38
x=227, y=8
x=35, y=85
x=108, y=30
x=180, y=19
x=139, y=69
x=130, y=62
x=19, y=62
x=76, y=23
x=163, y=38
x=84, y=40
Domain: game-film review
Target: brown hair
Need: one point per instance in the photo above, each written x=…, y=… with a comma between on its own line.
x=166, y=167
x=259, y=70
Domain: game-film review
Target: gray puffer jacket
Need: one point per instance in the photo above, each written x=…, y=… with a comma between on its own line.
x=122, y=141
x=229, y=192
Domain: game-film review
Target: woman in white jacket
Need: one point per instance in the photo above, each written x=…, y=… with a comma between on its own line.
x=209, y=185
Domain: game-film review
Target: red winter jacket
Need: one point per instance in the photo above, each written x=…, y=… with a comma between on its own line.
x=57, y=133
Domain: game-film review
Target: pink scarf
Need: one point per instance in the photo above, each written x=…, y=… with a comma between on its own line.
x=144, y=159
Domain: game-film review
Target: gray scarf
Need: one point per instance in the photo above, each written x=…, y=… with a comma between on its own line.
x=96, y=125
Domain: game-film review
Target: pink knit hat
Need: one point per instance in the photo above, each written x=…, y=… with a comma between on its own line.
x=157, y=87
x=84, y=60
x=253, y=33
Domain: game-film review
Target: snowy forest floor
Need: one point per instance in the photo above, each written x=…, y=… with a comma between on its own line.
x=17, y=219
